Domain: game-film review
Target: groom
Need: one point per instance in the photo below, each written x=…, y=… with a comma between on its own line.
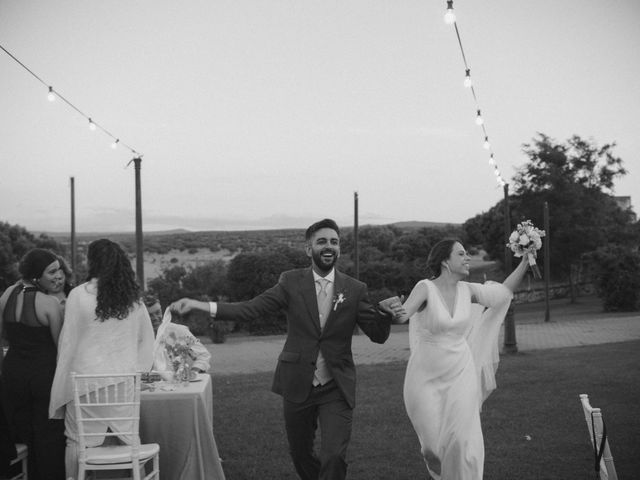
x=315, y=373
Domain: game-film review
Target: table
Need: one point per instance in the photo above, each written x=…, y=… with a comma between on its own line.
x=181, y=422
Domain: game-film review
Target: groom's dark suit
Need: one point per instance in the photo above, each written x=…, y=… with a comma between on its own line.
x=295, y=295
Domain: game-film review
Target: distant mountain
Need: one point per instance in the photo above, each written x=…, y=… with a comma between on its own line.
x=417, y=225
x=112, y=234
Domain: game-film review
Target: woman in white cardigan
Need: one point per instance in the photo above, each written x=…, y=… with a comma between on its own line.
x=106, y=329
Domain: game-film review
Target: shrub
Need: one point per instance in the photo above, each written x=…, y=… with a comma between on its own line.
x=617, y=273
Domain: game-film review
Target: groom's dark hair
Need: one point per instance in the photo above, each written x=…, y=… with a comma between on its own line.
x=326, y=223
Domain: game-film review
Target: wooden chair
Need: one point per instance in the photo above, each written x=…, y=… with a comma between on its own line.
x=23, y=453
x=112, y=399
x=603, y=461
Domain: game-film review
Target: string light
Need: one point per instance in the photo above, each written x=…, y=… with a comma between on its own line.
x=51, y=96
x=449, y=16
x=450, y=19
x=467, y=79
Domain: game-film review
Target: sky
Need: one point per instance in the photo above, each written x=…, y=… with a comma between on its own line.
x=253, y=114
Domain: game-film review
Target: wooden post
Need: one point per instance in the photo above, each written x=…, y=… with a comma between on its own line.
x=73, y=232
x=510, y=344
x=356, y=259
x=139, y=245
x=547, y=263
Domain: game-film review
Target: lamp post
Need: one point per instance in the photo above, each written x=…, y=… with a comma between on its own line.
x=510, y=344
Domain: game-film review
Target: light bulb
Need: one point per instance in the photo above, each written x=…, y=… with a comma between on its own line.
x=449, y=17
x=92, y=126
x=491, y=160
x=487, y=145
x=114, y=145
x=479, y=120
x=467, y=78
x=51, y=96
x=497, y=172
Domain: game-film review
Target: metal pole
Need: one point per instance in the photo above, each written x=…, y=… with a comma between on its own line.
x=356, y=259
x=73, y=231
x=510, y=344
x=139, y=247
x=547, y=263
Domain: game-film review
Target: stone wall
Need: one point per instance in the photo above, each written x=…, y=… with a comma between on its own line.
x=537, y=294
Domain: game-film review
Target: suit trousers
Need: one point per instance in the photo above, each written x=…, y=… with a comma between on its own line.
x=327, y=408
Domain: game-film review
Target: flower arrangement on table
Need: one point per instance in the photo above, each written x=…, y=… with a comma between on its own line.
x=180, y=355
x=527, y=240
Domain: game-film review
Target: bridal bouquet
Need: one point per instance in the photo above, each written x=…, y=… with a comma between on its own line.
x=527, y=240
x=180, y=355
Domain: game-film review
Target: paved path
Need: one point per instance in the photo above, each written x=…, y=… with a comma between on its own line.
x=571, y=326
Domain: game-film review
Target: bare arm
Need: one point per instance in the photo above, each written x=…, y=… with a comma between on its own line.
x=416, y=299
x=513, y=280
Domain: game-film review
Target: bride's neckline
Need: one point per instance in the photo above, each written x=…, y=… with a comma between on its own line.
x=450, y=309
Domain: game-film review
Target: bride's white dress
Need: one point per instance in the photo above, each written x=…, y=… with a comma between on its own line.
x=450, y=373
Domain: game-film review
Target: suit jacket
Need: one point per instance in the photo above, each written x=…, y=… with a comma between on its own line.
x=295, y=295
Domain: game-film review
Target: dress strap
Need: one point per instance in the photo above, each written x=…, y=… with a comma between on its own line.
x=29, y=316
x=9, y=313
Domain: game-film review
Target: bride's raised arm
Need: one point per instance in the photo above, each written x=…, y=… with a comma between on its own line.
x=417, y=301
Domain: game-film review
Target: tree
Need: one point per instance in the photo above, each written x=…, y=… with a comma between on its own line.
x=576, y=180
x=15, y=241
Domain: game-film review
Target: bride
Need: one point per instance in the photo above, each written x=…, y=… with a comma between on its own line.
x=453, y=359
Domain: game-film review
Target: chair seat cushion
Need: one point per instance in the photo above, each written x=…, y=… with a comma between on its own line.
x=119, y=453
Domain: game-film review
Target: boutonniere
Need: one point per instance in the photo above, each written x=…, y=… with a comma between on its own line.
x=338, y=299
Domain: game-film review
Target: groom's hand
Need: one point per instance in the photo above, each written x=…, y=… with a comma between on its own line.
x=391, y=305
x=185, y=305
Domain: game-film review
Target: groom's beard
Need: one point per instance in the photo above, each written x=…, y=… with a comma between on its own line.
x=325, y=263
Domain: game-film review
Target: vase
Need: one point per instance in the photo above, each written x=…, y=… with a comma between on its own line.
x=183, y=371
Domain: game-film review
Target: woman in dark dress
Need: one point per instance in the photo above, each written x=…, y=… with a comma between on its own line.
x=31, y=323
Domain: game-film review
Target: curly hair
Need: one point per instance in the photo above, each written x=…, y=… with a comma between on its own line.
x=118, y=290
x=440, y=252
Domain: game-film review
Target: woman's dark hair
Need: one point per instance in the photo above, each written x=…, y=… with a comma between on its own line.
x=440, y=252
x=68, y=285
x=118, y=290
x=34, y=263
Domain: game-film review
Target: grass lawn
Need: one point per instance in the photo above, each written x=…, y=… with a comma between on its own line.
x=533, y=423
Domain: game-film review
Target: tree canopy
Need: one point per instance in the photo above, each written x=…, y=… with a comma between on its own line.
x=575, y=179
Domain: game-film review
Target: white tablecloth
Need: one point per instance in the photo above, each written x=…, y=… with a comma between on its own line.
x=181, y=421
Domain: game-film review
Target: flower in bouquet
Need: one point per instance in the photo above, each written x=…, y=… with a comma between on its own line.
x=526, y=240
x=180, y=353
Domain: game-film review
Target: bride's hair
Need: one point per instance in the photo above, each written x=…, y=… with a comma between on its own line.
x=440, y=252
x=118, y=290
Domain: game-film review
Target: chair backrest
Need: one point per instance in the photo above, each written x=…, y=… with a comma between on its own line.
x=603, y=461
x=107, y=405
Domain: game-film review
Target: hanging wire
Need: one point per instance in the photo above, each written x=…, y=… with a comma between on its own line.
x=450, y=18
x=53, y=91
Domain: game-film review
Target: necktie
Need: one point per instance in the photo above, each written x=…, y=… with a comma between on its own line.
x=323, y=304
x=322, y=374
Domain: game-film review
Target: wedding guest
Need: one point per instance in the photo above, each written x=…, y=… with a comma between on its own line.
x=315, y=373
x=31, y=323
x=63, y=287
x=106, y=329
x=451, y=371
x=199, y=353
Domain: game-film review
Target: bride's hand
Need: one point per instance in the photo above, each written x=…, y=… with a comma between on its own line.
x=393, y=306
